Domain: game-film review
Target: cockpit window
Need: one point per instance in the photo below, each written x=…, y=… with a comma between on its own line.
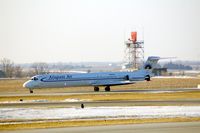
x=34, y=78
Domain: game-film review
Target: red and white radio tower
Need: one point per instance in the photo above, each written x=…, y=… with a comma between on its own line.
x=134, y=51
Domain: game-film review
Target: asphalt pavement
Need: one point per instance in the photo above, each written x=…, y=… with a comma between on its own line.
x=182, y=127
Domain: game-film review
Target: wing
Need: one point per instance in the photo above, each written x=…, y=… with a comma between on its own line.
x=112, y=83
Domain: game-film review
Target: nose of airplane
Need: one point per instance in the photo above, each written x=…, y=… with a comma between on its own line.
x=27, y=84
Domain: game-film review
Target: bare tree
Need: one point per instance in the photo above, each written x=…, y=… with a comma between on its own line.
x=7, y=66
x=40, y=68
x=18, y=71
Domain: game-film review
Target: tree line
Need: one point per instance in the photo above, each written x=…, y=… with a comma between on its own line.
x=8, y=69
x=171, y=65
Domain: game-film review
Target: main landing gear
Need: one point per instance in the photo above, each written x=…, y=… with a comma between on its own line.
x=107, y=88
x=96, y=88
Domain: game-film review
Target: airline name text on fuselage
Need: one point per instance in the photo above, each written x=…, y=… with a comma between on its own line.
x=59, y=77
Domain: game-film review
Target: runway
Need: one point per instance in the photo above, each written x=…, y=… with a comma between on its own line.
x=182, y=127
x=103, y=92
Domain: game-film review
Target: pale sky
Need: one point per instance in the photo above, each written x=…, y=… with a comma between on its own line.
x=93, y=30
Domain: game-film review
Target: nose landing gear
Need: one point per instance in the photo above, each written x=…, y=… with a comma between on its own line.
x=148, y=78
x=31, y=91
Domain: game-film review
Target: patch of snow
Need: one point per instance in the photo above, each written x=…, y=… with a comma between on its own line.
x=26, y=101
x=179, y=77
x=157, y=91
x=100, y=112
x=75, y=100
x=40, y=100
x=44, y=100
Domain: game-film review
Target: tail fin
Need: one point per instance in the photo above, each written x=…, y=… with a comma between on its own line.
x=151, y=62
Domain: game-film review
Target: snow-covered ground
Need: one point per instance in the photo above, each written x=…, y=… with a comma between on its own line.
x=27, y=101
x=158, y=91
x=100, y=112
x=44, y=101
x=75, y=100
x=182, y=77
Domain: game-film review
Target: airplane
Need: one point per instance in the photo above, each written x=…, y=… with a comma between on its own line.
x=96, y=80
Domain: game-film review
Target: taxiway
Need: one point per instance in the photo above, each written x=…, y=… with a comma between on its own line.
x=182, y=127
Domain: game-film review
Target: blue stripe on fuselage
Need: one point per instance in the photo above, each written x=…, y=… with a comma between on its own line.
x=78, y=79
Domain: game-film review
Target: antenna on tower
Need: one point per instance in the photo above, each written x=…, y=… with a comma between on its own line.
x=134, y=49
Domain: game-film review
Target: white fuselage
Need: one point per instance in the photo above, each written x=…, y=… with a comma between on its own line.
x=85, y=79
x=106, y=79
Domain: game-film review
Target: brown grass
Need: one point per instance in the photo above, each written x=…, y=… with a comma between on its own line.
x=15, y=86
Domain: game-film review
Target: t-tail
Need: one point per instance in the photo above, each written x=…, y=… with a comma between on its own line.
x=149, y=65
x=151, y=62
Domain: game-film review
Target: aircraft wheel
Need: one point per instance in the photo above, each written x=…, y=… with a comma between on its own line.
x=107, y=88
x=96, y=88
